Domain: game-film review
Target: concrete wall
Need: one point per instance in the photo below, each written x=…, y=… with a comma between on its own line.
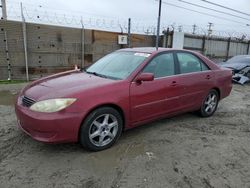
x=217, y=49
x=106, y=42
x=50, y=49
x=54, y=49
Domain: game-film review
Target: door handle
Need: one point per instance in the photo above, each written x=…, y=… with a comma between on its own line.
x=173, y=83
x=208, y=77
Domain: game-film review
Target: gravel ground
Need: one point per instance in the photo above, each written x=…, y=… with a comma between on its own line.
x=184, y=151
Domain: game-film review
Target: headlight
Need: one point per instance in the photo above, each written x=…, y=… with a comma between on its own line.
x=52, y=105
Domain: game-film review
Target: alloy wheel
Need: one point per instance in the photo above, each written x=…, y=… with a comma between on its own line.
x=210, y=103
x=103, y=130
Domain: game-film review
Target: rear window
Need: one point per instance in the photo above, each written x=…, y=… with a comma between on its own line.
x=189, y=63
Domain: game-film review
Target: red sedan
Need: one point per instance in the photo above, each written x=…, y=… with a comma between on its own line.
x=120, y=91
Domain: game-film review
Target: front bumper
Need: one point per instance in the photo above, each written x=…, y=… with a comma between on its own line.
x=58, y=127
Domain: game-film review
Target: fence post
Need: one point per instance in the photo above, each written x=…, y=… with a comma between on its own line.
x=167, y=35
x=25, y=44
x=203, y=45
x=172, y=38
x=4, y=11
x=164, y=39
x=7, y=55
x=129, y=34
x=228, y=48
x=82, y=45
x=248, y=47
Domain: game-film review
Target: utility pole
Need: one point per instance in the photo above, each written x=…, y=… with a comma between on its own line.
x=158, y=26
x=147, y=32
x=4, y=10
x=129, y=34
x=7, y=55
x=210, y=28
x=194, y=29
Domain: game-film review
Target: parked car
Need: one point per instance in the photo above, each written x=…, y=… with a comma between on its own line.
x=240, y=66
x=122, y=90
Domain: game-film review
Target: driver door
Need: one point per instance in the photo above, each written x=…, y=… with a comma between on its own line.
x=151, y=99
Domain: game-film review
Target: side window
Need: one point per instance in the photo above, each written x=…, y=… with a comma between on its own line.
x=161, y=66
x=204, y=67
x=189, y=63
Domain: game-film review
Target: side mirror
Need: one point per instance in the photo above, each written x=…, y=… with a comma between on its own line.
x=145, y=77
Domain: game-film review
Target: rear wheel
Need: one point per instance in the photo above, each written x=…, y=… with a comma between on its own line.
x=209, y=104
x=101, y=129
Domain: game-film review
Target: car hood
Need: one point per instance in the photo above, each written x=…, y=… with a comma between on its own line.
x=235, y=66
x=64, y=85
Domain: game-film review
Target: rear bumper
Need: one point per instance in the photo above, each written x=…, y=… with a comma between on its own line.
x=59, y=127
x=226, y=90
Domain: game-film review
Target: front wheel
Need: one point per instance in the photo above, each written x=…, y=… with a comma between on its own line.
x=209, y=104
x=101, y=129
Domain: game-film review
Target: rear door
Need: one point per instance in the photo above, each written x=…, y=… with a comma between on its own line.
x=196, y=79
x=160, y=96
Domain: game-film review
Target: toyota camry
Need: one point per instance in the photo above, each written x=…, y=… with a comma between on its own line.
x=122, y=90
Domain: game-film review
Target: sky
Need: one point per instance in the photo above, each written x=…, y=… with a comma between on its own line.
x=143, y=13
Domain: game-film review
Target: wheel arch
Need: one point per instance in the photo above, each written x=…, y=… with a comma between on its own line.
x=218, y=91
x=112, y=105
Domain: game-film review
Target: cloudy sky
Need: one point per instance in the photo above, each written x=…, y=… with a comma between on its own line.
x=142, y=12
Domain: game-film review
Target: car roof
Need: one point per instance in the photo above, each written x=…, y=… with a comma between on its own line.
x=153, y=51
x=242, y=56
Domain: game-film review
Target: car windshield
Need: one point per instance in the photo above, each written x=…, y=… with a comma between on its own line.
x=117, y=65
x=239, y=59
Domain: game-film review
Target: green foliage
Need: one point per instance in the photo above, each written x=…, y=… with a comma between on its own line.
x=12, y=81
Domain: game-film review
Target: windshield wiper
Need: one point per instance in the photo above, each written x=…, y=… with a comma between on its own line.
x=97, y=74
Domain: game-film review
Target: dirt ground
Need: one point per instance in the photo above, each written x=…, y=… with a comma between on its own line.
x=184, y=151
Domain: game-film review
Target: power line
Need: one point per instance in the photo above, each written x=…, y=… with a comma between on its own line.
x=39, y=7
x=40, y=14
x=222, y=12
x=228, y=8
x=192, y=10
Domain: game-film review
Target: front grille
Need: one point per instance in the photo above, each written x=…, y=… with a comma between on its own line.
x=26, y=101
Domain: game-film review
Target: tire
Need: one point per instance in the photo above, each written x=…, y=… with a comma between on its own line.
x=101, y=129
x=209, y=104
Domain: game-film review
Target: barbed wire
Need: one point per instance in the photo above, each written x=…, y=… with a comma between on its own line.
x=45, y=15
